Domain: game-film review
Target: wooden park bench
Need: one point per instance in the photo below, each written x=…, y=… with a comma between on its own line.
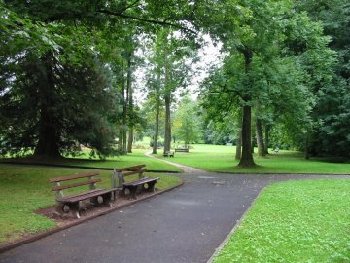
x=75, y=203
x=184, y=150
x=143, y=183
x=169, y=154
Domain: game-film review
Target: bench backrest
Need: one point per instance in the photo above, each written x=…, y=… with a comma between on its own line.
x=74, y=180
x=119, y=174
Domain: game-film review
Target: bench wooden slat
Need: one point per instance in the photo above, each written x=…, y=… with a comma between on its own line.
x=67, y=186
x=141, y=181
x=126, y=173
x=132, y=168
x=182, y=150
x=71, y=177
x=86, y=195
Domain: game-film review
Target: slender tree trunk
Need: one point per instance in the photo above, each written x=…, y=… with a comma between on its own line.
x=130, y=139
x=247, y=160
x=266, y=137
x=122, y=133
x=156, y=129
x=306, y=151
x=239, y=137
x=167, y=102
x=259, y=137
x=130, y=106
x=48, y=141
x=167, y=131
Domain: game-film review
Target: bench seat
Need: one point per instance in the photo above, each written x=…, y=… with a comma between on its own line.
x=75, y=203
x=139, y=186
x=86, y=195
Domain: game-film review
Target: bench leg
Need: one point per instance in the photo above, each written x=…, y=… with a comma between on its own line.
x=133, y=191
x=107, y=199
x=151, y=186
x=59, y=209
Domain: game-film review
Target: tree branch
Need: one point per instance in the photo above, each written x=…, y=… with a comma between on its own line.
x=152, y=21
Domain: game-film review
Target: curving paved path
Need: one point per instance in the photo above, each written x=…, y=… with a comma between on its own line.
x=183, y=225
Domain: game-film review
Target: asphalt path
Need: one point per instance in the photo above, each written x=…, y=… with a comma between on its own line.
x=186, y=224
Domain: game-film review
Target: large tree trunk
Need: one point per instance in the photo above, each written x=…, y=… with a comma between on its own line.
x=48, y=141
x=247, y=156
x=167, y=130
x=259, y=137
x=47, y=146
x=239, y=137
x=247, y=160
x=266, y=138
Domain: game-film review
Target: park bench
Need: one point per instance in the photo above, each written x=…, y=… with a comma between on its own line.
x=169, y=154
x=143, y=183
x=184, y=150
x=77, y=202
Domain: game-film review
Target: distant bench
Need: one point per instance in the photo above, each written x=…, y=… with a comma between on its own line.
x=74, y=203
x=146, y=184
x=184, y=150
x=169, y=154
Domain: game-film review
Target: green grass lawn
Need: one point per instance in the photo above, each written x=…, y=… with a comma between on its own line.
x=23, y=189
x=295, y=221
x=135, y=158
x=221, y=158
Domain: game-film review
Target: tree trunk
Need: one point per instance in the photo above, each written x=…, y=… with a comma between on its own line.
x=247, y=156
x=156, y=130
x=306, y=153
x=167, y=101
x=47, y=146
x=130, y=106
x=130, y=139
x=48, y=141
x=266, y=138
x=259, y=137
x=247, y=160
x=239, y=137
x=167, y=131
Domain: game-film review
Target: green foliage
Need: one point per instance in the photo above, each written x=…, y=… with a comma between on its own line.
x=330, y=134
x=187, y=121
x=47, y=94
x=296, y=221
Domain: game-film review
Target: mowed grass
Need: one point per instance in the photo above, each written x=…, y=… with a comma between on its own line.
x=221, y=158
x=24, y=189
x=295, y=221
x=135, y=158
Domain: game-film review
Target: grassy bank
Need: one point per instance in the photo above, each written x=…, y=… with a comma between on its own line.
x=23, y=189
x=295, y=221
x=84, y=160
x=221, y=158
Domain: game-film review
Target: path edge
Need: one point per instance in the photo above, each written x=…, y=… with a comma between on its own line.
x=35, y=237
x=235, y=227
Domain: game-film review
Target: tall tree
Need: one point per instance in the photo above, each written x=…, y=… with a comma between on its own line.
x=258, y=44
